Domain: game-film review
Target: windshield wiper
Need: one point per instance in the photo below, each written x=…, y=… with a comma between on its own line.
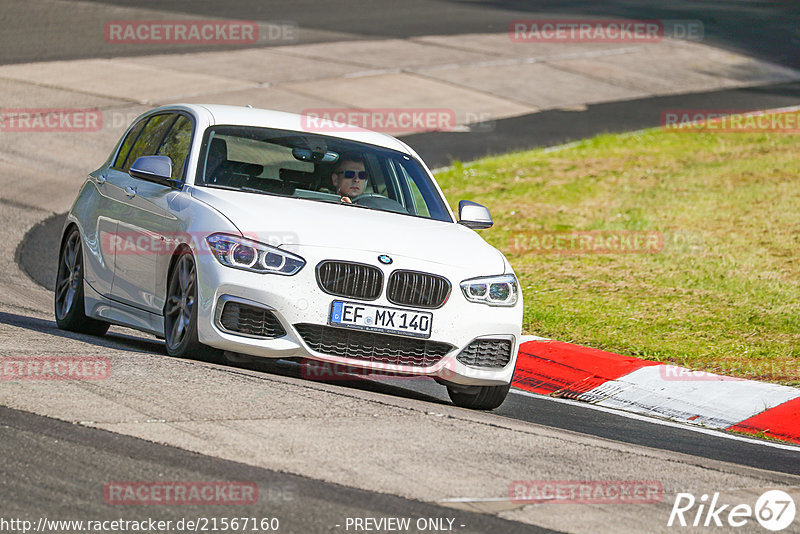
x=246, y=189
x=218, y=186
x=259, y=191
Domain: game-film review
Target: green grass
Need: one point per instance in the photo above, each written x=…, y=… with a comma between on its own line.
x=722, y=295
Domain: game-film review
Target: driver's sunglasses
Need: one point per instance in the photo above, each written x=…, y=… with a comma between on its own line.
x=362, y=175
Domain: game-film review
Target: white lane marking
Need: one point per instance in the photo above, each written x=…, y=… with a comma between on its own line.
x=476, y=499
x=678, y=394
x=684, y=426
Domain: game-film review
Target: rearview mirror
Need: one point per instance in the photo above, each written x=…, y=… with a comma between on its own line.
x=305, y=154
x=156, y=169
x=474, y=215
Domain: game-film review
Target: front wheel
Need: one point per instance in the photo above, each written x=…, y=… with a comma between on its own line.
x=478, y=397
x=180, y=313
x=69, y=307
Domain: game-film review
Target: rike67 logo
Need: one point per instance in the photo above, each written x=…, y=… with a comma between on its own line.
x=774, y=510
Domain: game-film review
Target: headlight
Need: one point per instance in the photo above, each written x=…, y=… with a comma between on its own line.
x=492, y=290
x=248, y=255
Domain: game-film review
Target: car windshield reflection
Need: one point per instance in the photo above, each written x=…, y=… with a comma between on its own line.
x=317, y=168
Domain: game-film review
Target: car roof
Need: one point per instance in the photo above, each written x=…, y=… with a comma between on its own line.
x=218, y=114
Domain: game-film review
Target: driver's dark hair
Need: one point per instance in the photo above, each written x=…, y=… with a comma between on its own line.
x=354, y=157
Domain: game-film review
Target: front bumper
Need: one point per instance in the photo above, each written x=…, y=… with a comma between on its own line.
x=298, y=300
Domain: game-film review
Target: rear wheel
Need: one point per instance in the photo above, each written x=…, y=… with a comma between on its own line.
x=69, y=308
x=180, y=313
x=478, y=397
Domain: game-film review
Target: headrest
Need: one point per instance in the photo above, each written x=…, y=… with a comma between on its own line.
x=217, y=153
x=218, y=148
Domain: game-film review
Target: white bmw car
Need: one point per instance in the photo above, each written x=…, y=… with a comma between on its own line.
x=222, y=228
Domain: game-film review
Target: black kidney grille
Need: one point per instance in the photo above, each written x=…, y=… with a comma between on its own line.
x=354, y=280
x=423, y=290
x=250, y=320
x=372, y=347
x=486, y=353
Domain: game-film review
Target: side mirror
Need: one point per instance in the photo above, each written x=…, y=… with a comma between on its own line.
x=156, y=169
x=474, y=215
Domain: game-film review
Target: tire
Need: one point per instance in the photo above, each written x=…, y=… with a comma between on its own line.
x=478, y=397
x=180, y=313
x=68, y=302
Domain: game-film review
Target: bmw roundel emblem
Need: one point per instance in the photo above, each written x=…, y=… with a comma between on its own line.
x=384, y=259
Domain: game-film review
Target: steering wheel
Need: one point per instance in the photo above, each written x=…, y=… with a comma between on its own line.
x=374, y=200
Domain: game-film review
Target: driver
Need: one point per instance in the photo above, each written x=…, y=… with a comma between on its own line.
x=350, y=176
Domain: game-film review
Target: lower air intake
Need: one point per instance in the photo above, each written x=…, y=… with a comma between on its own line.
x=250, y=320
x=492, y=353
x=372, y=347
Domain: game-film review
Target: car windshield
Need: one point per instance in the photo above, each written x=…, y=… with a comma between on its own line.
x=319, y=168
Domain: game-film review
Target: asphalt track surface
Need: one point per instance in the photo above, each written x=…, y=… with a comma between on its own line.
x=538, y=410
x=554, y=127
x=56, y=454
x=66, y=467
x=765, y=29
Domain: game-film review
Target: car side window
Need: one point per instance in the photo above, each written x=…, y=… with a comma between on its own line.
x=150, y=139
x=176, y=145
x=417, y=199
x=130, y=139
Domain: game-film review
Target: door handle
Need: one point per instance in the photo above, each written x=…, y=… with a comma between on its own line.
x=130, y=191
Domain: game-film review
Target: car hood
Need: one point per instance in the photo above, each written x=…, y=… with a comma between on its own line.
x=292, y=223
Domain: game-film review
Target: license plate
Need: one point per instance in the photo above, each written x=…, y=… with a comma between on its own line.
x=381, y=319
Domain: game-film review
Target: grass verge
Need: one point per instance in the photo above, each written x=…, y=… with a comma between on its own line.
x=720, y=291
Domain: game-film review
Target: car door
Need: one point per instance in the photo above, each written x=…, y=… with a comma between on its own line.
x=102, y=210
x=147, y=224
